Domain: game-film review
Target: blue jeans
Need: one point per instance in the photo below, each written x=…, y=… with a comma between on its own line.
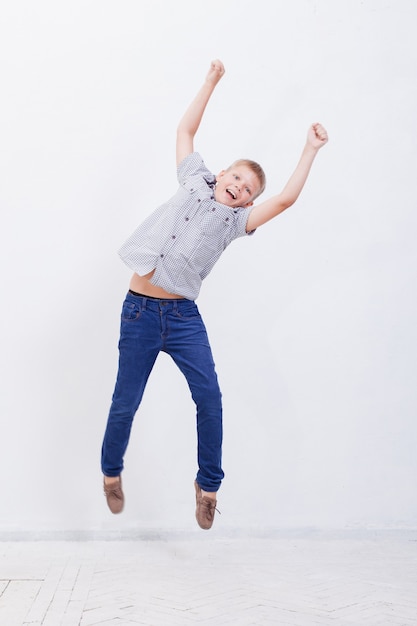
x=148, y=326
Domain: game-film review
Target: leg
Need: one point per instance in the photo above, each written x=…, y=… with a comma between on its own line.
x=140, y=342
x=188, y=345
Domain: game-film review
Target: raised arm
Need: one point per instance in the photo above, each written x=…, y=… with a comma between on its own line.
x=191, y=119
x=265, y=211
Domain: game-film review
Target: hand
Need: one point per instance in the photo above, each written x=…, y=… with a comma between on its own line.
x=317, y=136
x=215, y=72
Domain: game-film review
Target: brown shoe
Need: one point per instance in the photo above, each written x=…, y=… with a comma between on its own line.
x=114, y=495
x=206, y=507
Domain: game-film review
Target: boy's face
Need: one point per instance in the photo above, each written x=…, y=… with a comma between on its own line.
x=237, y=186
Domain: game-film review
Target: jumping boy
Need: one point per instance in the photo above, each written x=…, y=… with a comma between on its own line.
x=171, y=252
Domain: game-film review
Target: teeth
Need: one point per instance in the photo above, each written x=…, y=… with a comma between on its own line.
x=232, y=193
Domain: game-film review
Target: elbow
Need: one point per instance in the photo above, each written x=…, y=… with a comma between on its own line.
x=185, y=134
x=287, y=201
x=284, y=204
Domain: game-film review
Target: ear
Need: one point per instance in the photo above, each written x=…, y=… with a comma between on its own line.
x=248, y=204
x=220, y=175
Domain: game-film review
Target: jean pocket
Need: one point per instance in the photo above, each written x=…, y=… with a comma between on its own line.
x=188, y=311
x=130, y=312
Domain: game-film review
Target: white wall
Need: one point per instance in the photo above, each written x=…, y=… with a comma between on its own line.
x=312, y=321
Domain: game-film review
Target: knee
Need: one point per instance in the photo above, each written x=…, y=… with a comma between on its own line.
x=208, y=396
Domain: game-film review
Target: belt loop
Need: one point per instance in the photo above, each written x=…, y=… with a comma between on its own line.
x=144, y=301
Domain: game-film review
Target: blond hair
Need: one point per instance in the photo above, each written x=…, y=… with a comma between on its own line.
x=256, y=169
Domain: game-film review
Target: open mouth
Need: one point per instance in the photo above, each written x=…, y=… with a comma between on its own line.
x=232, y=193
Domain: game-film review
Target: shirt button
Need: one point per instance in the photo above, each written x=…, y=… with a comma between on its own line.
x=173, y=236
x=214, y=208
x=199, y=200
x=227, y=219
x=186, y=219
x=162, y=256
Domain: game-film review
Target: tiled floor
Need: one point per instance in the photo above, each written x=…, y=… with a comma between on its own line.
x=294, y=579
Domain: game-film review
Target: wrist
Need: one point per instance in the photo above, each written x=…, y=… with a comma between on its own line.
x=310, y=150
x=312, y=147
x=210, y=84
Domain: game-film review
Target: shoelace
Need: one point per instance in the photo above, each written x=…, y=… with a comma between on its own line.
x=115, y=491
x=210, y=506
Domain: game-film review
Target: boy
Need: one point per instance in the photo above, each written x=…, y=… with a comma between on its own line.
x=171, y=253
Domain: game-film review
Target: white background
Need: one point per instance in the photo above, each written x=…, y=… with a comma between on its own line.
x=312, y=321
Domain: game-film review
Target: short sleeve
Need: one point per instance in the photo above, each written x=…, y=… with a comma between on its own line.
x=241, y=219
x=193, y=165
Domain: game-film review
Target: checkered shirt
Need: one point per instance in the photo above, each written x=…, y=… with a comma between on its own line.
x=183, y=238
